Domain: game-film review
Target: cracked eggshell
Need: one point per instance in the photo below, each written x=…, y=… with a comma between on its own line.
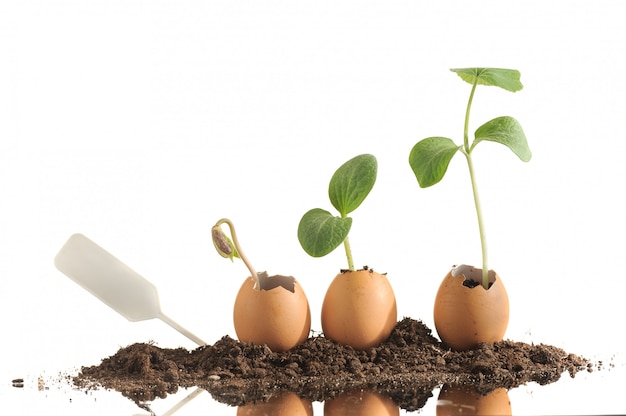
x=359, y=309
x=274, y=315
x=464, y=316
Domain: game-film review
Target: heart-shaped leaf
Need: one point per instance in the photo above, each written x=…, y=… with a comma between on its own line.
x=430, y=158
x=319, y=232
x=509, y=79
x=352, y=182
x=507, y=131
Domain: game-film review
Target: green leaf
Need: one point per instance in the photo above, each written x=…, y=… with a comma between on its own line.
x=430, y=158
x=319, y=232
x=509, y=79
x=352, y=182
x=507, y=131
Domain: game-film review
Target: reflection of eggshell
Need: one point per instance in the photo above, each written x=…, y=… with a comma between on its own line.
x=467, y=316
x=360, y=403
x=289, y=404
x=359, y=309
x=277, y=317
x=464, y=400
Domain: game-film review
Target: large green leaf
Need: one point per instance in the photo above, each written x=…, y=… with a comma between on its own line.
x=509, y=79
x=430, y=158
x=507, y=131
x=319, y=232
x=352, y=182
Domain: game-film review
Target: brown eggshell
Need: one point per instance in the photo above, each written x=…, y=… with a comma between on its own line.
x=289, y=404
x=359, y=309
x=457, y=400
x=360, y=403
x=277, y=317
x=465, y=317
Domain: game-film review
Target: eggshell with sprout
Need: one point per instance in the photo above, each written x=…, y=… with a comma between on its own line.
x=359, y=309
x=277, y=315
x=288, y=404
x=466, y=316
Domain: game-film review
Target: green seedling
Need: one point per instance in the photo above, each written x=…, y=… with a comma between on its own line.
x=230, y=249
x=430, y=157
x=321, y=232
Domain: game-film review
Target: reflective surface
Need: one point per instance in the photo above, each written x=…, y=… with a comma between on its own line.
x=599, y=392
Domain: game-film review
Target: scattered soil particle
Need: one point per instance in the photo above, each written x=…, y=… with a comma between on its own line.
x=407, y=367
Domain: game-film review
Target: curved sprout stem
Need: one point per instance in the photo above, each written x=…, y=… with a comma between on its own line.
x=242, y=256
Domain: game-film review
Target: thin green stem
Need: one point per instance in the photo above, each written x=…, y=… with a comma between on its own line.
x=242, y=256
x=346, y=246
x=467, y=116
x=479, y=215
x=467, y=152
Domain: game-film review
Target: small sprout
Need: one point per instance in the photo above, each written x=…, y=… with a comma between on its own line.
x=228, y=248
x=430, y=157
x=320, y=232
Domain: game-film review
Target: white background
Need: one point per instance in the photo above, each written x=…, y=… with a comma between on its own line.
x=141, y=123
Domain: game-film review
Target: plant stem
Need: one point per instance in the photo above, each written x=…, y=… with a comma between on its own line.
x=479, y=215
x=467, y=152
x=242, y=256
x=346, y=245
x=467, y=116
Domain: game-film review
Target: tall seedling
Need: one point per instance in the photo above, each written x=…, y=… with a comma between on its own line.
x=430, y=157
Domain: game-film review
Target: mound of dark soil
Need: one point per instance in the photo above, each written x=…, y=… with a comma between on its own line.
x=406, y=367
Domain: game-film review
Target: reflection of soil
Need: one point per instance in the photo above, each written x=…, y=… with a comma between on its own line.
x=406, y=367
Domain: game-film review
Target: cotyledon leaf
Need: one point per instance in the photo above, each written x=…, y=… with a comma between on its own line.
x=507, y=131
x=430, y=158
x=320, y=232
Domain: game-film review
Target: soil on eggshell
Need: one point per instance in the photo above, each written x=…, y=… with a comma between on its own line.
x=407, y=367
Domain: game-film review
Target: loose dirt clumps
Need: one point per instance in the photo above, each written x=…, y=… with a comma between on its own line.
x=406, y=367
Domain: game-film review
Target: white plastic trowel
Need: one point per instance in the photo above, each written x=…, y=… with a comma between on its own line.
x=113, y=282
